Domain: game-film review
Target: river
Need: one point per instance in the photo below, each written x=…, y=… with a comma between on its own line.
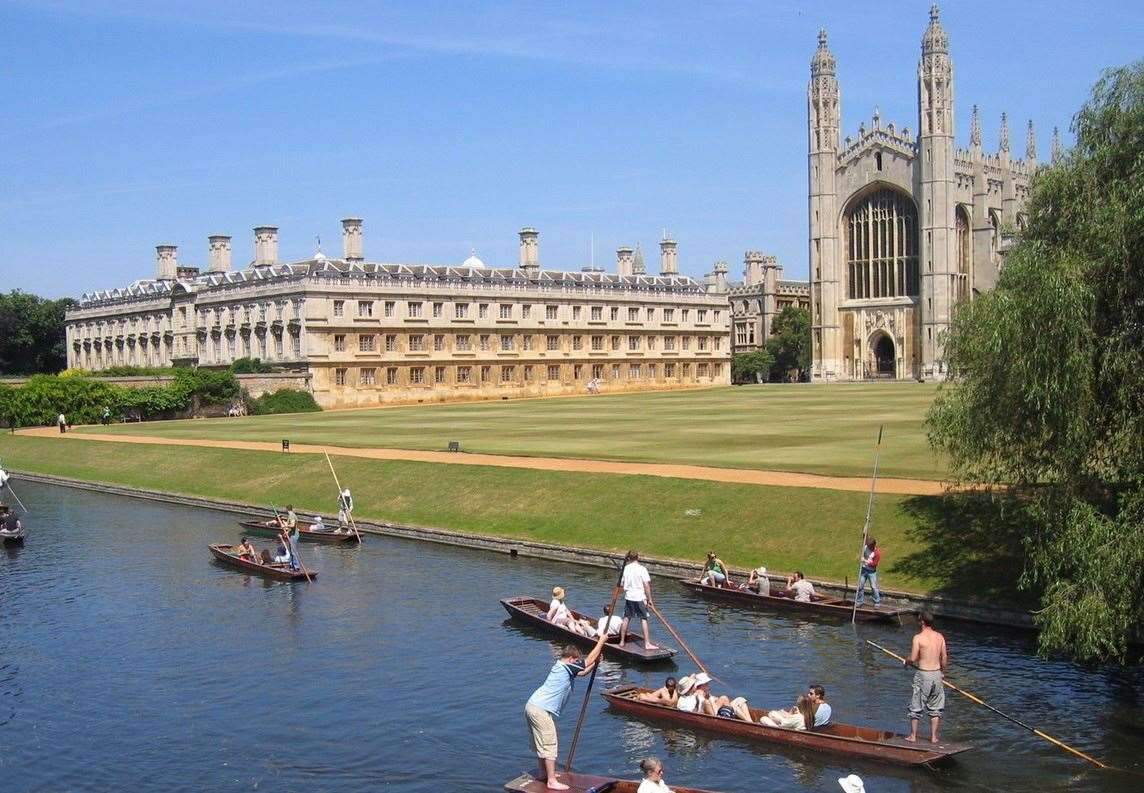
x=129, y=660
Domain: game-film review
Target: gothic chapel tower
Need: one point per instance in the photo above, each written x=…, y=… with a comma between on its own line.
x=824, y=114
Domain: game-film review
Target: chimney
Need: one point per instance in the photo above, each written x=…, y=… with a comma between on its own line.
x=218, y=246
x=667, y=262
x=753, y=268
x=625, y=264
x=772, y=271
x=720, y=277
x=352, y=241
x=166, y=262
x=265, y=245
x=530, y=250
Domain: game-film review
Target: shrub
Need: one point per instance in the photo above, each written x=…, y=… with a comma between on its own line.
x=134, y=371
x=284, y=400
x=250, y=366
x=210, y=388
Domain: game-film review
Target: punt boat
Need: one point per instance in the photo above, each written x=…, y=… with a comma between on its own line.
x=13, y=537
x=532, y=611
x=259, y=528
x=281, y=572
x=584, y=783
x=821, y=605
x=866, y=743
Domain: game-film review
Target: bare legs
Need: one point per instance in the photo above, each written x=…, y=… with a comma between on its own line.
x=935, y=729
x=548, y=773
x=646, y=634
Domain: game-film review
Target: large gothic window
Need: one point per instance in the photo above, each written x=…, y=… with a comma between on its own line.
x=964, y=254
x=882, y=246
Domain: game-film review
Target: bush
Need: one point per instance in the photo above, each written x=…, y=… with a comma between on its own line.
x=44, y=397
x=134, y=371
x=206, y=386
x=284, y=400
x=250, y=366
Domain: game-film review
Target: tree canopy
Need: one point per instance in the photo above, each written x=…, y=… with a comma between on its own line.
x=751, y=367
x=32, y=334
x=1046, y=394
x=789, y=343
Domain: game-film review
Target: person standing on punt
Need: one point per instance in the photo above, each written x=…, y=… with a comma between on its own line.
x=546, y=702
x=871, y=556
x=929, y=656
x=636, y=583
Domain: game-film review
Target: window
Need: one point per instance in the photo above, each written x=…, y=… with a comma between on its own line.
x=578, y=371
x=686, y=342
x=439, y=342
x=553, y=343
x=483, y=311
x=277, y=346
x=417, y=375
x=669, y=342
x=506, y=342
x=715, y=315
x=718, y=342
x=439, y=375
x=615, y=342
x=340, y=342
x=669, y=370
x=438, y=310
x=339, y=308
x=464, y=344
x=701, y=315
x=576, y=311
x=651, y=342
x=261, y=345
x=391, y=342
x=461, y=310
x=577, y=342
x=615, y=371
x=365, y=343
x=684, y=314
x=597, y=343
x=633, y=342
x=297, y=344
x=633, y=315
x=416, y=342
x=597, y=312
x=485, y=341
x=615, y=314
x=527, y=341
x=881, y=243
x=390, y=308
x=598, y=371
x=686, y=371
x=702, y=370
x=702, y=342
x=414, y=309
x=525, y=311
x=365, y=308
x=651, y=371
x=506, y=310
x=718, y=369
x=633, y=371
x=464, y=374
x=486, y=373
x=368, y=377
x=507, y=374
x=550, y=312
x=528, y=374
x=340, y=376
x=650, y=314
x=553, y=372
x=391, y=375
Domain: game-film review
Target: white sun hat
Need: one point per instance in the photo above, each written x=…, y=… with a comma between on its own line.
x=852, y=784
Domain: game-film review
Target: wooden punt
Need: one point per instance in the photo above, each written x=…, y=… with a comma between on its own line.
x=13, y=538
x=821, y=605
x=532, y=611
x=584, y=783
x=259, y=528
x=281, y=572
x=842, y=739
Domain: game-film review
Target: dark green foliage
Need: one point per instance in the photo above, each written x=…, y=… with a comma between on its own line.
x=284, y=400
x=209, y=387
x=133, y=371
x=1047, y=382
x=751, y=367
x=250, y=366
x=32, y=334
x=789, y=343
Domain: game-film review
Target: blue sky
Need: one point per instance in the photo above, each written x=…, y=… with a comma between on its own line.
x=448, y=126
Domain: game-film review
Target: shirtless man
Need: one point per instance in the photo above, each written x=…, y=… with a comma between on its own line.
x=928, y=655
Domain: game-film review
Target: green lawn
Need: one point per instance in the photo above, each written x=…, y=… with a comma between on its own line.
x=823, y=429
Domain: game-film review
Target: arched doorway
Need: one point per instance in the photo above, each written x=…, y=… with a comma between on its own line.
x=883, y=350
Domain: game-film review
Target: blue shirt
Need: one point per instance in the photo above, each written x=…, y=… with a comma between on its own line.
x=822, y=715
x=554, y=691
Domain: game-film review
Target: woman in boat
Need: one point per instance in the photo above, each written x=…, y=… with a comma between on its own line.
x=800, y=717
x=652, y=782
x=283, y=555
x=558, y=614
x=711, y=704
x=714, y=571
x=759, y=582
x=686, y=699
x=668, y=694
x=318, y=525
x=246, y=550
x=11, y=523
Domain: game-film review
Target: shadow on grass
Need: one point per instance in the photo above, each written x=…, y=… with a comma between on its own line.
x=973, y=546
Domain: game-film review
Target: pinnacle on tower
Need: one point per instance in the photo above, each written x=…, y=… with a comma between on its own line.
x=935, y=38
x=1004, y=132
x=823, y=61
x=1057, y=151
x=1031, y=143
x=975, y=128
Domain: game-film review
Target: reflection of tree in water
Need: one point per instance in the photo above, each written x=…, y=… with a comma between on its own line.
x=687, y=744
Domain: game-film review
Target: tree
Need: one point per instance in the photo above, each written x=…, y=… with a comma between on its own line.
x=789, y=343
x=751, y=367
x=1046, y=394
x=32, y=334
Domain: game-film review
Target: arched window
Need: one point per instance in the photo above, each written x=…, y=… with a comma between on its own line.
x=882, y=246
x=964, y=254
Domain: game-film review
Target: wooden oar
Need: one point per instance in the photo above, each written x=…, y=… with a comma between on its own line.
x=345, y=506
x=1003, y=715
x=592, y=678
x=866, y=525
x=293, y=550
x=683, y=644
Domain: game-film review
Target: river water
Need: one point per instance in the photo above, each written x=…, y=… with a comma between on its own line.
x=129, y=660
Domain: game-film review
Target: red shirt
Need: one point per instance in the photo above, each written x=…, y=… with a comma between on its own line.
x=871, y=560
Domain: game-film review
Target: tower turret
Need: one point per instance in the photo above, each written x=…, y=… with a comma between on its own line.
x=1031, y=145
x=1057, y=151
x=824, y=118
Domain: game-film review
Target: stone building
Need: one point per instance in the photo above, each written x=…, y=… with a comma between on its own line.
x=903, y=225
x=757, y=299
x=368, y=333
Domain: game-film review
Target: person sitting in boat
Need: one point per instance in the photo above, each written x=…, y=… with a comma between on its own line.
x=318, y=525
x=652, y=781
x=799, y=588
x=800, y=717
x=711, y=704
x=686, y=698
x=609, y=622
x=11, y=523
x=246, y=550
x=714, y=571
x=822, y=710
x=283, y=554
x=668, y=694
x=559, y=615
x=759, y=582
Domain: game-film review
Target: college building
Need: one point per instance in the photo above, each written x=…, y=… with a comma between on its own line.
x=757, y=299
x=369, y=333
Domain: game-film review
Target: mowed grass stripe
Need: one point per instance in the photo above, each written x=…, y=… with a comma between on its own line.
x=819, y=429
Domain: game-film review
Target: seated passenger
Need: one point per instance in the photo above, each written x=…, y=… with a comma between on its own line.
x=800, y=717
x=283, y=555
x=652, y=781
x=246, y=550
x=318, y=524
x=686, y=698
x=799, y=588
x=609, y=622
x=822, y=710
x=714, y=571
x=667, y=695
x=709, y=703
x=558, y=614
x=758, y=583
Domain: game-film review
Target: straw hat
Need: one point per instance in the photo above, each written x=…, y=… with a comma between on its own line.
x=702, y=679
x=685, y=685
x=852, y=784
x=558, y=592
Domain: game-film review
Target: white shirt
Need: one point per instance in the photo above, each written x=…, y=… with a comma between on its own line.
x=634, y=578
x=690, y=703
x=802, y=589
x=647, y=786
x=561, y=610
x=614, y=624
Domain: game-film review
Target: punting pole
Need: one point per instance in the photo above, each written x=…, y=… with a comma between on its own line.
x=592, y=677
x=349, y=513
x=18, y=501
x=866, y=525
x=293, y=550
x=702, y=666
x=1017, y=721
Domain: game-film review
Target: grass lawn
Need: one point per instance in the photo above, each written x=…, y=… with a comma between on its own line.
x=817, y=531
x=821, y=429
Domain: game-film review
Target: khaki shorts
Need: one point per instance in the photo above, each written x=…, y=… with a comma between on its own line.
x=928, y=694
x=543, y=730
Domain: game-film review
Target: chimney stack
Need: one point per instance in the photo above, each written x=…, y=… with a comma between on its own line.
x=530, y=250
x=218, y=246
x=625, y=264
x=720, y=284
x=753, y=267
x=352, y=241
x=166, y=262
x=265, y=245
x=667, y=262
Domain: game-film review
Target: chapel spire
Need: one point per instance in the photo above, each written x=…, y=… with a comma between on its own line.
x=1031, y=143
x=1057, y=150
x=1004, y=133
x=975, y=129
